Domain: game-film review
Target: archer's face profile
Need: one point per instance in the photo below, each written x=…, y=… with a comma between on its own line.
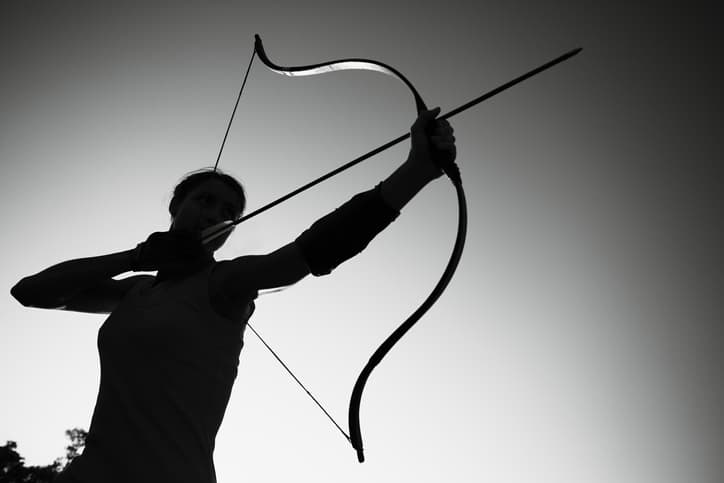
x=210, y=203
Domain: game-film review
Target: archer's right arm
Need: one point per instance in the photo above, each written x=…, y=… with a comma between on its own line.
x=87, y=284
x=83, y=285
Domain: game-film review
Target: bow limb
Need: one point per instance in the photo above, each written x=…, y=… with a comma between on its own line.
x=336, y=65
x=379, y=354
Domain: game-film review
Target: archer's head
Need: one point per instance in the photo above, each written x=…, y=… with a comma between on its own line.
x=205, y=198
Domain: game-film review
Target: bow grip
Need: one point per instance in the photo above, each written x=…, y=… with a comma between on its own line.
x=449, y=168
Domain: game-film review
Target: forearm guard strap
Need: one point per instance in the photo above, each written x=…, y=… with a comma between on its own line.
x=345, y=232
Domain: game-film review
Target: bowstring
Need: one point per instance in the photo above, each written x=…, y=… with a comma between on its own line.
x=299, y=382
x=216, y=165
x=231, y=119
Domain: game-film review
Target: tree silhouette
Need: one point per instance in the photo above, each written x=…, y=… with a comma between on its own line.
x=77, y=443
x=13, y=469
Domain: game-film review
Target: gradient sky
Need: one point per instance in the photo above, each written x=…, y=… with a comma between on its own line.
x=580, y=339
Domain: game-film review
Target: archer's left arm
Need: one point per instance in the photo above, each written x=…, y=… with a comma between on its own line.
x=346, y=231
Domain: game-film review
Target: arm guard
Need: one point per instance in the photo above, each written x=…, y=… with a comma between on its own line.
x=345, y=232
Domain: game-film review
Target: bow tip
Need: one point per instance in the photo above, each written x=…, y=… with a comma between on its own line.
x=360, y=456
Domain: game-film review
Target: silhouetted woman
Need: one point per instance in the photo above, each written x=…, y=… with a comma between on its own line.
x=170, y=347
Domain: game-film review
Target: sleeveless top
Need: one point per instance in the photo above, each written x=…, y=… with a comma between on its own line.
x=168, y=363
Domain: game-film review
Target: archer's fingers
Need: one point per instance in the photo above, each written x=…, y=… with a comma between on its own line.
x=425, y=118
x=447, y=147
x=443, y=138
x=442, y=128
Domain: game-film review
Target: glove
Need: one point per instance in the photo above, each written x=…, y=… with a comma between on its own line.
x=165, y=249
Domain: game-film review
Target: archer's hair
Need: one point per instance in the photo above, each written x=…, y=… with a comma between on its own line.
x=196, y=178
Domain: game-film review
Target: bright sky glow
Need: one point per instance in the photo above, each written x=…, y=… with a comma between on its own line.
x=580, y=339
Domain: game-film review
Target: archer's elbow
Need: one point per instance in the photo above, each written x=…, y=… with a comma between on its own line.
x=24, y=293
x=19, y=293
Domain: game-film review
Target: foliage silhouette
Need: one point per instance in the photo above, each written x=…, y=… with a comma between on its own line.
x=13, y=469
